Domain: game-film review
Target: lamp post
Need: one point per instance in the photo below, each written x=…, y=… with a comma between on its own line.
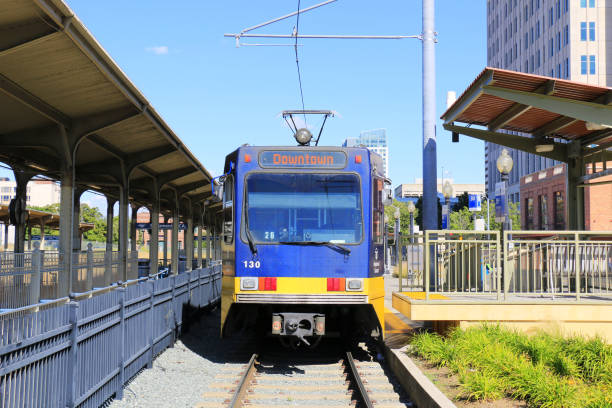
x=504, y=166
x=411, y=209
x=398, y=241
x=447, y=192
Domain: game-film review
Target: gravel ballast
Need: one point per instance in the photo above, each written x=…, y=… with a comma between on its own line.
x=181, y=374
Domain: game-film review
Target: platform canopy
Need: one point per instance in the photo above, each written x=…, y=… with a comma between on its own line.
x=65, y=105
x=559, y=119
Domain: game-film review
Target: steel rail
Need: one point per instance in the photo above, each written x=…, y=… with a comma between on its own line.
x=243, y=385
x=360, y=388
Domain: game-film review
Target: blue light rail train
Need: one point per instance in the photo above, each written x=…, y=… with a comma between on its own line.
x=303, y=243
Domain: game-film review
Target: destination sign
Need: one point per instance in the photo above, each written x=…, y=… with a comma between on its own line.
x=305, y=159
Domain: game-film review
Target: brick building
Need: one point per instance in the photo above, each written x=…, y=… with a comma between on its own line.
x=543, y=201
x=144, y=216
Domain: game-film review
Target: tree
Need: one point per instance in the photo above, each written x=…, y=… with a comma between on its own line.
x=463, y=201
x=462, y=219
x=404, y=215
x=92, y=215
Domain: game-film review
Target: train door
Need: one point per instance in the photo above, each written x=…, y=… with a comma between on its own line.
x=377, y=256
x=228, y=226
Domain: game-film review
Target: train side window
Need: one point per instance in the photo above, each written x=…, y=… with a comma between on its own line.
x=378, y=217
x=228, y=209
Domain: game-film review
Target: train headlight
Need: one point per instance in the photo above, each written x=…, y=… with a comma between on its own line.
x=248, y=283
x=354, y=284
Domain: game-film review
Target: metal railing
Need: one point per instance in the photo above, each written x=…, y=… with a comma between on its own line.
x=409, y=265
x=575, y=263
x=82, y=351
x=523, y=263
x=26, y=278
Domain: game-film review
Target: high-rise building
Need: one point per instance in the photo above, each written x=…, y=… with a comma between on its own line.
x=375, y=140
x=558, y=38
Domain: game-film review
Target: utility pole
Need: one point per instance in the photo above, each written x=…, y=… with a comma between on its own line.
x=430, y=196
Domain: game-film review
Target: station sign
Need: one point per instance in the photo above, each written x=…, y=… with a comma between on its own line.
x=474, y=203
x=47, y=237
x=445, y=223
x=305, y=159
x=162, y=226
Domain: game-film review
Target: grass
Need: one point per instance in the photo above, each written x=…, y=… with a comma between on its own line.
x=545, y=370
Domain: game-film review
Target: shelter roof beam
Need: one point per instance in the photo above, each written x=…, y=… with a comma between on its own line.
x=33, y=102
x=98, y=122
x=581, y=110
x=466, y=100
x=547, y=88
x=28, y=39
x=525, y=144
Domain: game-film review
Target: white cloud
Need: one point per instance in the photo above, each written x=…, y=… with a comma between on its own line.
x=158, y=49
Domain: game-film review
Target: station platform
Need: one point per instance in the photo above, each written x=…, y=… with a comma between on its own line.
x=591, y=316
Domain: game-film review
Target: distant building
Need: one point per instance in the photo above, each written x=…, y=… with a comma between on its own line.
x=415, y=190
x=38, y=192
x=375, y=140
x=544, y=205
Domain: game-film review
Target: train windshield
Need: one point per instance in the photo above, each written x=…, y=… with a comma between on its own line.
x=304, y=207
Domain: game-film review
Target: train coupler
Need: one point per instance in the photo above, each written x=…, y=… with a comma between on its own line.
x=298, y=325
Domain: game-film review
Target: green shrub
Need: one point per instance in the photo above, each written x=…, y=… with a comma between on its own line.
x=545, y=370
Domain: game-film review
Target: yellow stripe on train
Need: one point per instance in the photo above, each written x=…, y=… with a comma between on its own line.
x=373, y=287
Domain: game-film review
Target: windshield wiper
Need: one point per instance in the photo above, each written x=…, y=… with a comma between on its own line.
x=250, y=239
x=318, y=243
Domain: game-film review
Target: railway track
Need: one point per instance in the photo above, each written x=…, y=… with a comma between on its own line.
x=289, y=379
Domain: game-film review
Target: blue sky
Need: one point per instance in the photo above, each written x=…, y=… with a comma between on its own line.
x=216, y=96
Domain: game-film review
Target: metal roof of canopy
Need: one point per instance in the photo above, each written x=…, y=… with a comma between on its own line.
x=60, y=89
x=547, y=108
x=563, y=120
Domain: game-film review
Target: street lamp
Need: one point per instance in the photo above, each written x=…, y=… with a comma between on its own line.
x=504, y=166
x=411, y=209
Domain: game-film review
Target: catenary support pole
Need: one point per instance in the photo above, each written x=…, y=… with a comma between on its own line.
x=430, y=194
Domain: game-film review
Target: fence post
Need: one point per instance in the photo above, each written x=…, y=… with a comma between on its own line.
x=73, y=355
x=35, y=275
x=504, y=270
x=175, y=328
x=498, y=264
x=400, y=258
x=151, y=322
x=427, y=266
x=119, y=392
x=89, y=282
x=577, y=264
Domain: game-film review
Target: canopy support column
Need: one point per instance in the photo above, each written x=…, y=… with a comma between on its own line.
x=174, y=247
x=123, y=232
x=65, y=233
x=22, y=179
x=154, y=236
x=108, y=270
x=189, y=240
x=133, y=255
x=575, y=195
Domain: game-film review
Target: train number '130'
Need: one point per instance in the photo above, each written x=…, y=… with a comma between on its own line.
x=251, y=264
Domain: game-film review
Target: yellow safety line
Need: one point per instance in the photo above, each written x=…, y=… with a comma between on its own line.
x=394, y=324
